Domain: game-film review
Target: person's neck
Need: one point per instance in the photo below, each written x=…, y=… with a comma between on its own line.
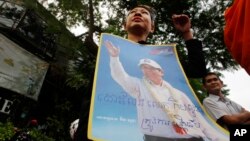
x=157, y=82
x=218, y=93
x=137, y=38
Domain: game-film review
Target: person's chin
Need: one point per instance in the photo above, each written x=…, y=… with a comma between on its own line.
x=138, y=27
x=215, y=91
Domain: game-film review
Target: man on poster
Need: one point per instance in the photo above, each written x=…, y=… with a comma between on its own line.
x=175, y=117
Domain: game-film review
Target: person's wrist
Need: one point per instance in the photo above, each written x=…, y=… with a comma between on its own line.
x=188, y=34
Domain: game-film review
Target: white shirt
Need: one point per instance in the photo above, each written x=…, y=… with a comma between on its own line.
x=216, y=107
x=153, y=109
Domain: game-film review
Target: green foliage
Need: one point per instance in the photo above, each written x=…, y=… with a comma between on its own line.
x=198, y=89
x=6, y=131
x=64, y=37
x=36, y=135
x=80, y=70
x=71, y=12
x=57, y=124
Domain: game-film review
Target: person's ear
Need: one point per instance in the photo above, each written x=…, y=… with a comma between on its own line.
x=152, y=28
x=162, y=73
x=204, y=87
x=221, y=82
x=125, y=26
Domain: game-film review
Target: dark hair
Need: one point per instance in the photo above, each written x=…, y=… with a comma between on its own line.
x=151, y=10
x=207, y=74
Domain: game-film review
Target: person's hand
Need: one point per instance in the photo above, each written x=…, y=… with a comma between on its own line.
x=113, y=51
x=182, y=23
x=179, y=129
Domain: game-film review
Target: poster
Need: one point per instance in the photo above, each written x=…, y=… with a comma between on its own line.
x=127, y=105
x=20, y=71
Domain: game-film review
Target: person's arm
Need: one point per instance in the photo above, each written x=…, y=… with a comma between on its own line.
x=221, y=116
x=194, y=66
x=128, y=83
x=241, y=118
x=248, y=120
